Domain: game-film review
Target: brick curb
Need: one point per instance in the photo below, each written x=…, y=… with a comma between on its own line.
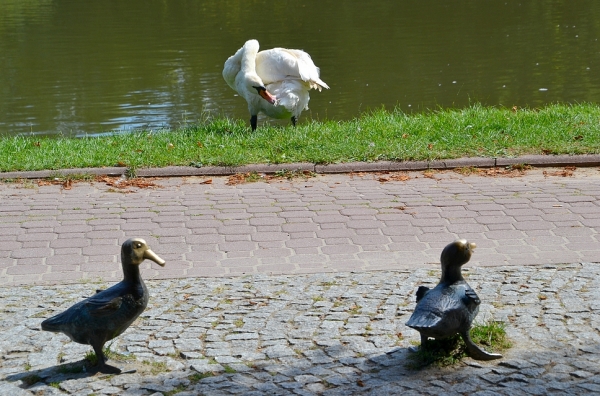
x=380, y=166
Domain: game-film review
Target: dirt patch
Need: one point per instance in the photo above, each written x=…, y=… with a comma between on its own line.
x=510, y=171
x=566, y=172
x=115, y=182
x=252, y=177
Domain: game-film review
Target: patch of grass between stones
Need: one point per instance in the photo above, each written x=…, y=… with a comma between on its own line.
x=450, y=351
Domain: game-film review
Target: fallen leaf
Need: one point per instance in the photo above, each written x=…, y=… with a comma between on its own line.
x=400, y=177
x=238, y=178
x=118, y=182
x=209, y=181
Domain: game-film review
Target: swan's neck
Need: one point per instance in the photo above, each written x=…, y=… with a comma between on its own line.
x=249, y=58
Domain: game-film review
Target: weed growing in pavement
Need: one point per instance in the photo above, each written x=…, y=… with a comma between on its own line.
x=449, y=351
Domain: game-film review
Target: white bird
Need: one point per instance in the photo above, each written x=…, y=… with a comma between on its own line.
x=275, y=82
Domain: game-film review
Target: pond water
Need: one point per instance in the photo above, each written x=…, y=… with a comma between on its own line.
x=87, y=67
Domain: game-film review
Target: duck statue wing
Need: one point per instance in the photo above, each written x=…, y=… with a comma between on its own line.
x=103, y=307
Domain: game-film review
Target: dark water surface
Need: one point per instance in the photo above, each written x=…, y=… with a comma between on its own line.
x=86, y=67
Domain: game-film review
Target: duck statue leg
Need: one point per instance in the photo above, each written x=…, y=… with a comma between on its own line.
x=102, y=366
x=474, y=351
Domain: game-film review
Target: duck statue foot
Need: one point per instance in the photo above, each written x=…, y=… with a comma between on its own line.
x=101, y=366
x=475, y=352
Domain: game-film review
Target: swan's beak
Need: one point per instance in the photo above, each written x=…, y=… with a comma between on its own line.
x=267, y=96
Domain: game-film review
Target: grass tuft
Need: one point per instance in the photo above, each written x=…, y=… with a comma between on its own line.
x=449, y=351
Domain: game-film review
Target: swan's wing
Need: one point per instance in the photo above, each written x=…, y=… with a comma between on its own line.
x=307, y=69
x=231, y=69
x=278, y=64
x=233, y=65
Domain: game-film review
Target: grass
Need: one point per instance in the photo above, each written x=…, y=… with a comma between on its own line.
x=197, y=377
x=449, y=351
x=156, y=367
x=110, y=355
x=475, y=131
x=31, y=379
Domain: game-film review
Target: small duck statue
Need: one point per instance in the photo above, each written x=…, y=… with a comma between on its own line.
x=451, y=306
x=108, y=313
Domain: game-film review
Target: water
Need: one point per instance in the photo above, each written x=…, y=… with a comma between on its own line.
x=72, y=67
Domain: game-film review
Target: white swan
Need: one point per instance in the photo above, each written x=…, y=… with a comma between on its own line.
x=275, y=82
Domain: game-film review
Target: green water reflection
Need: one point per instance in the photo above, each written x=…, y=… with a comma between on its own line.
x=76, y=67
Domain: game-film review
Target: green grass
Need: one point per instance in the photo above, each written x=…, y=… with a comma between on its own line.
x=31, y=379
x=449, y=351
x=475, y=131
x=110, y=355
x=197, y=377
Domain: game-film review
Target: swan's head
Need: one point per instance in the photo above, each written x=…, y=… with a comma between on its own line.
x=251, y=87
x=262, y=91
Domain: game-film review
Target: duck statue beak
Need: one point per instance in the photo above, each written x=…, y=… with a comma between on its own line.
x=472, y=246
x=150, y=255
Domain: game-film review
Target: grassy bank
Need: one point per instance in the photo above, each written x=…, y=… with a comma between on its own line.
x=476, y=131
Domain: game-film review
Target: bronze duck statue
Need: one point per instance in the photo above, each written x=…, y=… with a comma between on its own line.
x=451, y=306
x=108, y=313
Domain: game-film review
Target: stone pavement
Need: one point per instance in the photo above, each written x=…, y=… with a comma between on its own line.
x=304, y=286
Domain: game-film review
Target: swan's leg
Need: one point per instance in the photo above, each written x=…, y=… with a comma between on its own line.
x=294, y=119
x=253, y=122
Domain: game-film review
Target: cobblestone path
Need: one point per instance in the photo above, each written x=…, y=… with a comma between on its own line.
x=329, y=334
